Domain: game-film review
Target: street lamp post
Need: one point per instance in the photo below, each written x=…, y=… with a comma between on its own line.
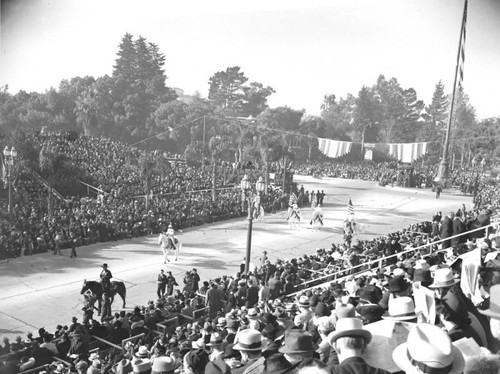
x=251, y=197
x=9, y=156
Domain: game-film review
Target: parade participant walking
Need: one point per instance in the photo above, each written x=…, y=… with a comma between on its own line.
x=161, y=284
x=164, y=243
x=106, y=278
x=317, y=218
x=171, y=282
x=106, y=307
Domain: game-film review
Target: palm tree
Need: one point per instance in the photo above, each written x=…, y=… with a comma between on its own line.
x=53, y=166
x=148, y=165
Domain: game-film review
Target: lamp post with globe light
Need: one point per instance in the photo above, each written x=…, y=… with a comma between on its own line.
x=252, y=196
x=10, y=156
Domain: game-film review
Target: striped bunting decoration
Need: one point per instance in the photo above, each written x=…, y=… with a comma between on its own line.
x=334, y=148
x=407, y=152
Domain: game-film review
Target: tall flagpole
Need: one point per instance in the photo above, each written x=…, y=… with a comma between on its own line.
x=444, y=166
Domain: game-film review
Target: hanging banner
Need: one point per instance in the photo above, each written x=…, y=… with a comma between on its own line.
x=407, y=152
x=334, y=148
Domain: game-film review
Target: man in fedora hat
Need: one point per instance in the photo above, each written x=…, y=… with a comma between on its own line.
x=278, y=364
x=350, y=340
x=250, y=346
x=305, y=315
x=298, y=349
x=217, y=345
x=105, y=277
x=428, y=349
x=194, y=362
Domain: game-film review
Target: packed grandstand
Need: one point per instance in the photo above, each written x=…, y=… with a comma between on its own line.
x=435, y=283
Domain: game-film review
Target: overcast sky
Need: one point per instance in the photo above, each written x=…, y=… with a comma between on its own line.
x=303, y=49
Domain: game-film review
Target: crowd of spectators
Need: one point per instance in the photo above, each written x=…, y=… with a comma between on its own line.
x=467, y=180
x=182, y=195
x=314, y=312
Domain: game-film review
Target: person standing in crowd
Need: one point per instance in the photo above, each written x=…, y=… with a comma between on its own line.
x=447, y=229
x=458, y=227
x=106, y=307
x=350, y=341
x=161, y=284
x=72, y=241
x=57, y=243
x=171, y=282
x=195, y=278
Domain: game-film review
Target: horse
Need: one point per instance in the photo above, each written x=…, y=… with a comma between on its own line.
x=96, y=288
x=174, y=244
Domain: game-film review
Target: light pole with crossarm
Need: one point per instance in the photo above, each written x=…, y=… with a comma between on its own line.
x=251, y=197
x=10, y=156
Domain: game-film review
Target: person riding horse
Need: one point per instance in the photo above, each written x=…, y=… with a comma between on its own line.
x=106, y=279
x=167, y=241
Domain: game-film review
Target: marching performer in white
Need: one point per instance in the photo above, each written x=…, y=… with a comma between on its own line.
x=317, y=218
x=294, y=216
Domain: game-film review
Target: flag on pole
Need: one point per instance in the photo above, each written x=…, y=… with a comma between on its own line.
x=461, y=50
x=350, y=210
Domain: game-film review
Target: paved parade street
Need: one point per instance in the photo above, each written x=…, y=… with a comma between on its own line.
x=44, y=290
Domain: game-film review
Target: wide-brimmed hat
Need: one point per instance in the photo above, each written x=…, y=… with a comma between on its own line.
x=104, y=265
x=141, y=366
x=222, y=322
x=198, y=344
x=494, y=309
x=401, y=309
x=304, y=302
x=142, y=352
x=163, y=364
x=428, y=348
x=398, y=284
x=345, y=311
x=297, y=341
x=421, y=264
x=217, y=367
x=370, y=312
x=123, y=367
x=249, y=340
x=278, y=364
x=349, y=327
x=325, y=324
x=252, y=313
x=215, y=340
x=443, y=278
x=422, y=276
x=370, y=293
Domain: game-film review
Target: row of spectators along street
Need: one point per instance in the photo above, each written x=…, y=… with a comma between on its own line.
x=256, y=324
